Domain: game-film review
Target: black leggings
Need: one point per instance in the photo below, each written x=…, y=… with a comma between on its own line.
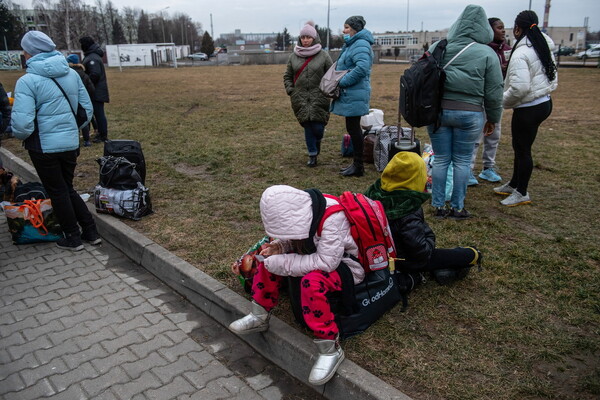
x=356, y=133
x=524, y=126
x=456, y=258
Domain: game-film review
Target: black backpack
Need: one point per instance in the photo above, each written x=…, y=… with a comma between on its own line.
x=421, y=88
x=30, y=191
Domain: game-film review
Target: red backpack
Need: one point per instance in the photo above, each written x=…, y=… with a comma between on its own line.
x=369, y=228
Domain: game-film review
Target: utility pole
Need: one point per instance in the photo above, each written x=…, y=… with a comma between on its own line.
x=407, y=9
x=212, y=35
x=328, y=34
x=68, y=34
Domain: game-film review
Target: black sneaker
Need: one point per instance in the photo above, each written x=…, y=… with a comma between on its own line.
x=440, y=212
x=459, y=214
x=91, y=236
x=70, y=243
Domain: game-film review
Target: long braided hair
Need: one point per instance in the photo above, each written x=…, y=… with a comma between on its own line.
x=528, y=22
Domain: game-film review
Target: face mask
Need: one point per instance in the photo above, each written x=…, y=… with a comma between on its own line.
x=346, y=37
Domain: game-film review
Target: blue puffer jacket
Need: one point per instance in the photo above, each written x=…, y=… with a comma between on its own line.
x=40, y=103
x=355, y=93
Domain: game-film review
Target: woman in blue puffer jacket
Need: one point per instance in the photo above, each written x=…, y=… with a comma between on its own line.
x=355, y=86
x=45, y=121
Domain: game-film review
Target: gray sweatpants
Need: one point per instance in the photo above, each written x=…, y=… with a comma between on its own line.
x=490, y=145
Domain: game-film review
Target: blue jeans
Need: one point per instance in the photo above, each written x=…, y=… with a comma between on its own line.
x=313, y=134
x=453, y=142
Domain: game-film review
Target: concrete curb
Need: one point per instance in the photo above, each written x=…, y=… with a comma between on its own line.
x=283, y=345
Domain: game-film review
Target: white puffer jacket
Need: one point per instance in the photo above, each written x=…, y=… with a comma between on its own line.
x=287, y=214
x=525, y=77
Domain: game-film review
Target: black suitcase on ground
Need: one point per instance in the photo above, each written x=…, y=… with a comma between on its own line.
x=131, y=150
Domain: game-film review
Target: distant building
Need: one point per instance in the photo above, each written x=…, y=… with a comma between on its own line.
x=411, y=43
x=32, y=20
x=568, y=36
x=144, y=55
x=247, y=38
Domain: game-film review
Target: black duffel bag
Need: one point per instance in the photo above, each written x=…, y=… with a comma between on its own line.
x=131, y=150
x=118, y=173
x=373, y=297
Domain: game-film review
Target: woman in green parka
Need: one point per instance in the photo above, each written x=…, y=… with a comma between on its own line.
x=305, y=68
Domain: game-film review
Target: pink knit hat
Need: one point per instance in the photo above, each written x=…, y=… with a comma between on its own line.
x=309, y=30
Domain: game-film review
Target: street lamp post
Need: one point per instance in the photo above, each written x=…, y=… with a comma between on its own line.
x=328, y=8
x=162, y=18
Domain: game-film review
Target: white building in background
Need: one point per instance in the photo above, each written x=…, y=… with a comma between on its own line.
x=411, y=43
x=144, y=55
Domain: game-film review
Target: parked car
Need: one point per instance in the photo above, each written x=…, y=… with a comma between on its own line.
x=198, y=56
x=592, y=52
x=564, y=51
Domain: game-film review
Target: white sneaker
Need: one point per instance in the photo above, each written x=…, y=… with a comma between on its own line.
x=505, y=189
x=516, y=199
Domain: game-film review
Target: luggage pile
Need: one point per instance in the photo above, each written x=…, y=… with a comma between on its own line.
x=121, y=189
x=28, y=210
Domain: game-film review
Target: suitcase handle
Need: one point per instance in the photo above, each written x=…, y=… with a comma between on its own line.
x=406, y=146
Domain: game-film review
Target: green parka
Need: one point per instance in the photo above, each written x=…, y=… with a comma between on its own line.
x=475, y=77
x=308, y=102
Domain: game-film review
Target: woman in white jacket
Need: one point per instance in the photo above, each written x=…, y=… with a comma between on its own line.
x=291, y=215
x=530, y=78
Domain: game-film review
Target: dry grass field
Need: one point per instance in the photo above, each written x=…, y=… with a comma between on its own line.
x=526, y=327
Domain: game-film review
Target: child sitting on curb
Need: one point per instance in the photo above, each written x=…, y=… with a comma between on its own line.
x=401, y=191
x=324, y=262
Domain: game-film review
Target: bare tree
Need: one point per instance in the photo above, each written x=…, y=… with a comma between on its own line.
x=130, y=23
x=103, y=26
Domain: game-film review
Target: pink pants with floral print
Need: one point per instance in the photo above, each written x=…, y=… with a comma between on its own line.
x=314, y=287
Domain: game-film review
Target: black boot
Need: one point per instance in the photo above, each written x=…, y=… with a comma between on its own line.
x=312, y=161
x=356, y=169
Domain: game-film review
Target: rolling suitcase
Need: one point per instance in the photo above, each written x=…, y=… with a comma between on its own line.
x=131, y=150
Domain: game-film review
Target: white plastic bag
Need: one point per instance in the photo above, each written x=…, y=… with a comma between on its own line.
x=373, y=121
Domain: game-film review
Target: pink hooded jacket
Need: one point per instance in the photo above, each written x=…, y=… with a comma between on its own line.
x=287, y=214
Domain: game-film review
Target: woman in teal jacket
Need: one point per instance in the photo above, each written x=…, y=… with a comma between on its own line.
x=355, y=86
x=472, y=102
x=43, y=118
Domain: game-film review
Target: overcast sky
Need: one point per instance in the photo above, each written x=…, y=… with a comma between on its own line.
x=263, y=16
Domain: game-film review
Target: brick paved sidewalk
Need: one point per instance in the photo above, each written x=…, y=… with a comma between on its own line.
x=93, y=324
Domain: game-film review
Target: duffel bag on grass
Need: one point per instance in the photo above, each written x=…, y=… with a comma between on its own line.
x=118, y=173
x=132, y=203
x=32, y=221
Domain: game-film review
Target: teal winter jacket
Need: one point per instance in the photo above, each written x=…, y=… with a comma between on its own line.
x=355, y=86
x=40, y=103
x=475, y=77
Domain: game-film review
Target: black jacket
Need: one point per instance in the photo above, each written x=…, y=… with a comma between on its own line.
x=94, y=67
x=4, y=109
x=414, y=239
x=87, y=82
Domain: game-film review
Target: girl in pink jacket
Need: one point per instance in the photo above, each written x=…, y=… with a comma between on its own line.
x=291, y=215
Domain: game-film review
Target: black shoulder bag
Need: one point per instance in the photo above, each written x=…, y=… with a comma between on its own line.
x=81, y=115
